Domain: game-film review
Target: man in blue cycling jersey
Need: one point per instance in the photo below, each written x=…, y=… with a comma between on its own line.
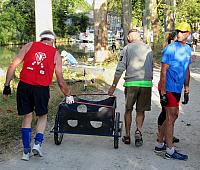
x=175, y=74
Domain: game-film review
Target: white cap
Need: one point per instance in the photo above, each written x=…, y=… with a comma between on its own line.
x=63, y=53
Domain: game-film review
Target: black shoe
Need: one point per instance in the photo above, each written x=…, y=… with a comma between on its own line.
x=175, y=140
x=138, y=138
x=159, y=150
x=126, y=140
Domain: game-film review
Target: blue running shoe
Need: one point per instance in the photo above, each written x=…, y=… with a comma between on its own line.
x=159, y=150
x=176, y=155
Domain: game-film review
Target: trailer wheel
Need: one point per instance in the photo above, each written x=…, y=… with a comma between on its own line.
x=116, y=130
x=57, y=136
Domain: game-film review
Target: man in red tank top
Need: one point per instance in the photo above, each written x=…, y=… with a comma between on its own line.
x=40, y=60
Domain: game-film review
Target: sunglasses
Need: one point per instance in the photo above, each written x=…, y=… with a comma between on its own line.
x=182, y=31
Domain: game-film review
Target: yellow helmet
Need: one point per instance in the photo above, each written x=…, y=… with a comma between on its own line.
x=183, y=26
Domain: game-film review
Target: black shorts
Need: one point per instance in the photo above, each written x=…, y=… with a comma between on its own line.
x=32, y=98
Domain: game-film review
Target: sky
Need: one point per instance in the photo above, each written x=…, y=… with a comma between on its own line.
x=89, y=1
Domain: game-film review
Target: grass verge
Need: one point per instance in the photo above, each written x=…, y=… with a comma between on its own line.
x=10, y=122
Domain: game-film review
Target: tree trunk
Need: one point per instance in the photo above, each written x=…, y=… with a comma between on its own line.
x=126, y=18
x=147, y=23
x=155, y=22
x=100, y=30
x=170, y=15
x=151, y=25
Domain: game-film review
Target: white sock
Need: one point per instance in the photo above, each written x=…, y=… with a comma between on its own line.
x=170, y=150
x=159, y=145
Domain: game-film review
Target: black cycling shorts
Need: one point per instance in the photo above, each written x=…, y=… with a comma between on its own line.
x=32, y=98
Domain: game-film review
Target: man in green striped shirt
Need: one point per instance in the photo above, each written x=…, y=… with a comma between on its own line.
x=137, y=61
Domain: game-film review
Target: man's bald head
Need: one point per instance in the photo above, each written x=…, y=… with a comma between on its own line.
x=133, y=35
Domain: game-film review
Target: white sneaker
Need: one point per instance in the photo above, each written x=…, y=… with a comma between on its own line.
x=25, y=157
x=37, y=150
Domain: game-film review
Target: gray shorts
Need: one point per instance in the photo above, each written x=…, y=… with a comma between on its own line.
x=139, y=95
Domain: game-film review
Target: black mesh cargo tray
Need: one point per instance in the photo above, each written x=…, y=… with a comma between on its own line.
x=88, y=117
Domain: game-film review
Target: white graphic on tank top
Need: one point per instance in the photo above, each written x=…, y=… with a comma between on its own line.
x=39, y=58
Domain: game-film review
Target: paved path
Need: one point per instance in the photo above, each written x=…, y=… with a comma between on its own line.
x=96, y=153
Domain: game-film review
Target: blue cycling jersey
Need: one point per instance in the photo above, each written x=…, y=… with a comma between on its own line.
x=178, y=57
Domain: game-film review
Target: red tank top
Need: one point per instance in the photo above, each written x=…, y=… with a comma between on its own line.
x=38, y=66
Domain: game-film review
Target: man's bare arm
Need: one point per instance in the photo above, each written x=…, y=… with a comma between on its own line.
x=187, y=81
x=114, y=84
x=16, y=61
x=163, y=72
x=58, y=71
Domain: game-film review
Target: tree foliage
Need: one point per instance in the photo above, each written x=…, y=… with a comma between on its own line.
x=79, y=24
x=188, y=11
x=17, y=18
x=17, y=21
x=137, y=12
x=67, y=9
x=115, y=6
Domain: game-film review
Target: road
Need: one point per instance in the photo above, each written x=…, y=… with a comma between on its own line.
x=97, y=153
